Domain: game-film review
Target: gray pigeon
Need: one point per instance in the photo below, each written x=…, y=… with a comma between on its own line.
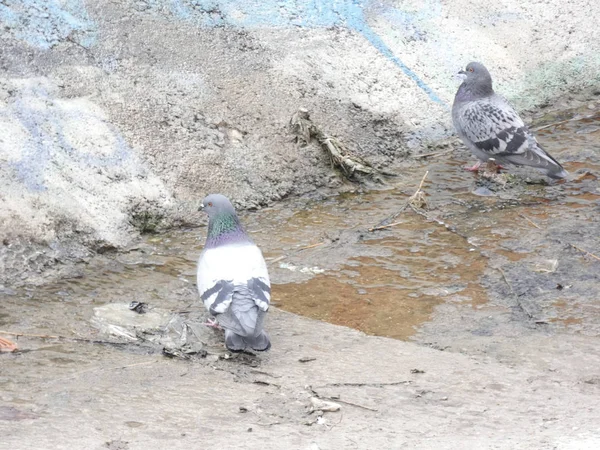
x=233, y=280
x=491, y=128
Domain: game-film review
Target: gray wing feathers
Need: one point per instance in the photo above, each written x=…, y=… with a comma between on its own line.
x=492, y=129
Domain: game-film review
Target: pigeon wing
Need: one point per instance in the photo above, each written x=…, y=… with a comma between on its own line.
x=494, y=128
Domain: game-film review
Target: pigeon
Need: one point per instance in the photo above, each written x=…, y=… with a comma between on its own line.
x=233, y=281
x=491, y=128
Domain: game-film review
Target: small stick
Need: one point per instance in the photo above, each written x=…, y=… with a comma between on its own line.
x=312, y=246
x=381, y=227
x=279, y=258
x=427, y=155
x=393, y=383
x=530, y=221
x=43, y=336
x=64, y=338
x=422, y=181
x=519, y=304
x=352, y=404
x=581, y=250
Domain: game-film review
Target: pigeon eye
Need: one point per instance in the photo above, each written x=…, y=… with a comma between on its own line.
x=470, y=69
x=209, y=203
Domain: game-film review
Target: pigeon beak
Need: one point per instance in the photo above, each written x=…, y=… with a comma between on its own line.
x=461, y=75
x=201, y=207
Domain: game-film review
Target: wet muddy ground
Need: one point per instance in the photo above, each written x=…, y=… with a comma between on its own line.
x=510, y=273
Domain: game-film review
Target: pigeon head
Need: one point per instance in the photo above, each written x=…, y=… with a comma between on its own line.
x=215, y=204
x=224, y=227
x=477, y=81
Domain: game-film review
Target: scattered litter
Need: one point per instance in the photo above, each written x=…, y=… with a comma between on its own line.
x=318, y=404
x=548, y=266
x=185, y=352
x=313, y=270
x=139, y=307
x=120, y=320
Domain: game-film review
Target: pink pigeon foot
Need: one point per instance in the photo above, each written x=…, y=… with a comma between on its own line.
x=213, y=324
x=474, y=168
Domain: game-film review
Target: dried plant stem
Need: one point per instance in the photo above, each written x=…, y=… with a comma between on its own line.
x=416, y=201
x=350, y=165
x=585, y=252
x=530, y=221
x=433, y=155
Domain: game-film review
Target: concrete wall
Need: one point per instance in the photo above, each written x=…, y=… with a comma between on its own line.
x=120, y=116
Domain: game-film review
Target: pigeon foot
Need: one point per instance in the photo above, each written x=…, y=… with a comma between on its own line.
x=212, y=324
x=474, y=168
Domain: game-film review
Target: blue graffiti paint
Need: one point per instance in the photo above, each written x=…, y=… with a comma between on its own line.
x=301, y=13
x=45, y=23
x=47, y=143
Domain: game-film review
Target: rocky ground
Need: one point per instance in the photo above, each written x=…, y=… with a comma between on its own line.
x=120, y=116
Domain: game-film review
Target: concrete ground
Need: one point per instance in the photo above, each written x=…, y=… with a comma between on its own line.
x=392, y=394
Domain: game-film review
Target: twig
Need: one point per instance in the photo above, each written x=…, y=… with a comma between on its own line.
x=393, y=383
x=265, y=383
x=312, y=246
x=427, y=155
x=562, y=122
x=43, y=336
x=351, y=404
x=385, y=226
x=421, y=183
x=519, y=304
x=279, y=258
x=416, y=197
x=267, y=424
x=530, y=221
x=64, y=338
x=265, y=373
x=580, y=249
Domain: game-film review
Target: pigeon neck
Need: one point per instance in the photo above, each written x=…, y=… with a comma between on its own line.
x=468, y=92
x=225, y=228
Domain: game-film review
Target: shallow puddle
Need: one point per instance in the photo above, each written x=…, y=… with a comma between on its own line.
x=326, y=264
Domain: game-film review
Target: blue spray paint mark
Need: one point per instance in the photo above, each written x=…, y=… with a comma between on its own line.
x=47, y=143
x=45, y=23
x=301, y=13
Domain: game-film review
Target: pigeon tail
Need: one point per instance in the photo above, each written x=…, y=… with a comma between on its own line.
x=236, y=343
x=557, y=172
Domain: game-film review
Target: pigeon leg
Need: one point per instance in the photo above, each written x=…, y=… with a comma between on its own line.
x=475, y=168
x=212, y=324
